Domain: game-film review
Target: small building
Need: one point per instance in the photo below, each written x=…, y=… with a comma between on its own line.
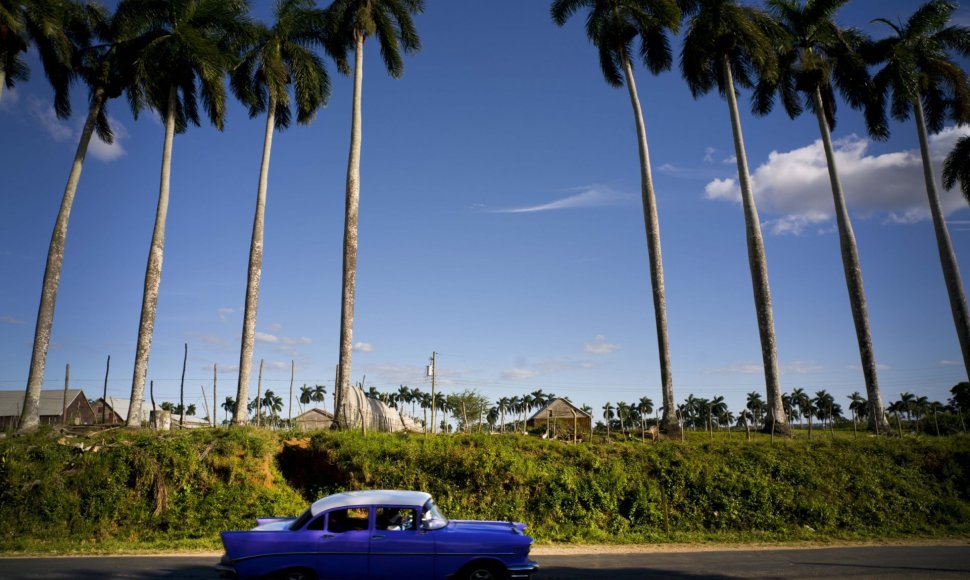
x=559, y=416
x=56, y=408
x=116, y=411
x=313, y=419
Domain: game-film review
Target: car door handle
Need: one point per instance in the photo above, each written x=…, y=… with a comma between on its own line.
x=377, y=537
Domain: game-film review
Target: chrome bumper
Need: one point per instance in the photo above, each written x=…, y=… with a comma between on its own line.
x=524, y=572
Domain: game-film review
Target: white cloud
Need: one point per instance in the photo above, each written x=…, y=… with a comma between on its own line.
x=600, y=346
x=363, y=347
x=278, y=365
x=212, y=339
x=289, y=341
x=222, y=369
x=794, y=185
x=7, y=319
x=44, y=113
x=950, y=363
x=269, y=338
x=709, y=154
x=65, y=131
x=109, y=151
x=225, y=312
x=276, y=327
x=730, y=160
x=590, y=196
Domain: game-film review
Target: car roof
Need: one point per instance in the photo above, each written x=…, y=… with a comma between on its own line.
x=369, y=497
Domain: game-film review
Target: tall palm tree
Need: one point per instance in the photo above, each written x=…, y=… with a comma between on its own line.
x=45, y=25
x=97, y=49
x=503, y=405
x=608, y=415
x=613, y=26
x=800, y=401
x=727, y=45
x=193, y=44
x=279, y=58
x=353, y=22
x=927, y=83
x=956, y=167
x=820, y=57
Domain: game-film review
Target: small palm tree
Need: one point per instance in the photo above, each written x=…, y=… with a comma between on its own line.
x=306, y=396
x=728, y=45
x=193, y=43
x=928, y=84
x=319, y=395
x=229, y=406
x=279, y=58
x=352, y=23
x=613, y=26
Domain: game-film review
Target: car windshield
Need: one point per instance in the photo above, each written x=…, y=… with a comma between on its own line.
x=431, y=518
x=302, y=520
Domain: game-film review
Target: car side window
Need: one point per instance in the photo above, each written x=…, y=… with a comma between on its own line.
x=348, y=520
x=395, y=519
x=317, y=524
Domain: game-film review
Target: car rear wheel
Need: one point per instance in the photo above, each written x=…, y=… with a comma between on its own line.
x=296, y=574
x=484, y=571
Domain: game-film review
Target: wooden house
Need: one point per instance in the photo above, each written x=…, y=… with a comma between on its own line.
x=57, y=407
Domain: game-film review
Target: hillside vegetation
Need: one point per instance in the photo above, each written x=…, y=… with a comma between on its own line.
x=123, y=490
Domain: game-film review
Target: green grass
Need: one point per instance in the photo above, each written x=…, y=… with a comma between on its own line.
x=147, y=492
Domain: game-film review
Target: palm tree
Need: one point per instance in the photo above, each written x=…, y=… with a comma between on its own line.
x=820, y=56
x=926, y=82
x=622, y=413
x=46, y=25
x=95, y=41
x=613, y=26
x=645, y=408
x=229, y=406
x=193, y=43
x=608, y=415
x=319, y=395
x=725, y=46
x=956, y=167
x=745, y=418
x=279, y=57
x=306, y=396
x=503, y=405
x=718, y=409
x=857, y=406
x=896, y=408
x=756, y=405
x=353, y=22
x=800, y=401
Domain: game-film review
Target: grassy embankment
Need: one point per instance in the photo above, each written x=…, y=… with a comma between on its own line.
x=142, y=491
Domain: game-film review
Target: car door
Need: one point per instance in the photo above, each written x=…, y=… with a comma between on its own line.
x=399, y=548
x=344, y=542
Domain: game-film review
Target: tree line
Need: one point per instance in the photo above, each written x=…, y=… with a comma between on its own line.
x=173, y=57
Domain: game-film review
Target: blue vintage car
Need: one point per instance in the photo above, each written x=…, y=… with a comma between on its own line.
x=377, y=534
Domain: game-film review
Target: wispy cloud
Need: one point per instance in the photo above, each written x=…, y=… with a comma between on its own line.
x=799, y=368
x=225, y=312
x=601, y=346
x=267, y=338
x=738, y=369
x=7, y=319
x=519, y=374
x=70, y=131
x=794, y=184
x=950, y=363
x=589, y=196
x=9, y=99
x=363, y=347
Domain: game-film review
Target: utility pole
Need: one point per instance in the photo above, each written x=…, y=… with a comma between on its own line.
x=432, y=370
x=67, y=381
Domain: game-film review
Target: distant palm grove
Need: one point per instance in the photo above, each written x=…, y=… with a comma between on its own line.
x=183, y=59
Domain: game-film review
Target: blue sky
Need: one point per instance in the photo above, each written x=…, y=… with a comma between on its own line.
x=500, y=226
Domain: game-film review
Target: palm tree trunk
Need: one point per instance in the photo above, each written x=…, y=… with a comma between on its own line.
x=652, y=226
x=30, y=414
x=948, y=259
x=758, y=264
x=350, y=239
x=153, y=272
x=853, y=276
x=255, y=269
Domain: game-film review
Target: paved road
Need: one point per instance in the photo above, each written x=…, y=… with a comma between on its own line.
x=861, y=562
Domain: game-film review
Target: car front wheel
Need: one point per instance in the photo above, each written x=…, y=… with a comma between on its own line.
x=296, y=574
x=484, y=571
